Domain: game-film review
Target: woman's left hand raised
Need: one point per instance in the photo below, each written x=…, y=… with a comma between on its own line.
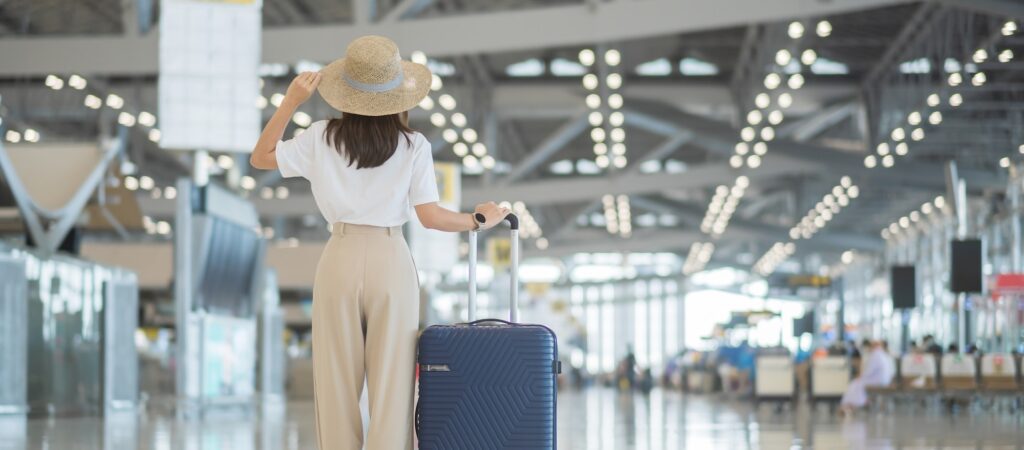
x=302, y=88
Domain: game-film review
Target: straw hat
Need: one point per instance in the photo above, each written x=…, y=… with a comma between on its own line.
x=372, y=79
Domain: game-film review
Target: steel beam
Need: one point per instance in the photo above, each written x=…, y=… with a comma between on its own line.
x=547, y=148
x=491, y=32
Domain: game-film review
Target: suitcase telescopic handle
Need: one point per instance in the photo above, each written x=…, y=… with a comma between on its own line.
x=513, y=313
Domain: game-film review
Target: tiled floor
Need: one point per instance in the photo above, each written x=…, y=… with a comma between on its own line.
x=595, y=419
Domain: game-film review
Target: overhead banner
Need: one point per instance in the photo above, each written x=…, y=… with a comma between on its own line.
x=209, y=74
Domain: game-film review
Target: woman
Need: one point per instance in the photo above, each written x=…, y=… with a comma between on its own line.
x=366, y=170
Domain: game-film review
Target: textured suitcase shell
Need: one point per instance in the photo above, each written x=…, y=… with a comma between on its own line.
x=487, y=387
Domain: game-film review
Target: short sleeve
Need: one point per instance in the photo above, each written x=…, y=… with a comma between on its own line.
x=296, y=156
x=423, y=188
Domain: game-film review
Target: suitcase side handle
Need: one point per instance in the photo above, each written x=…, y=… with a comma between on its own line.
x=513, y=222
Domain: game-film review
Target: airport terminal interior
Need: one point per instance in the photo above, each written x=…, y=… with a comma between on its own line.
x=751, y=224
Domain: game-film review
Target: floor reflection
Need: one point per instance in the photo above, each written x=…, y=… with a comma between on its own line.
x=593, y=419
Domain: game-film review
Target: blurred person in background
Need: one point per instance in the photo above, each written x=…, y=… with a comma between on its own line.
x=878, y=370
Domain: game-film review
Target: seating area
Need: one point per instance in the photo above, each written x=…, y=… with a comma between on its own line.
x=952, y=383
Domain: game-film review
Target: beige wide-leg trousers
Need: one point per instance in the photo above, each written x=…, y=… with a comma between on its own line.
x=365, y=319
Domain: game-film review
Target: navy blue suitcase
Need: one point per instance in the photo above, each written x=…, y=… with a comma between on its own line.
x=487, y=384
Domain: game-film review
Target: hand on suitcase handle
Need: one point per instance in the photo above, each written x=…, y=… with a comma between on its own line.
x=511, y=218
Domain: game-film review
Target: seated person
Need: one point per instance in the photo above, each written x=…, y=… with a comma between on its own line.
x=878, y=370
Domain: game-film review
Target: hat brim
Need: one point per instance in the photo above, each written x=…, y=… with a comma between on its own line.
x=347, y=99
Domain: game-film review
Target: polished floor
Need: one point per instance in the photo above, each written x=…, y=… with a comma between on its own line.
x=593, y=419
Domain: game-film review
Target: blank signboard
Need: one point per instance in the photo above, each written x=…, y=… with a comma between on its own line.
x=903, y=284
x=209, y=74
x=966, y=266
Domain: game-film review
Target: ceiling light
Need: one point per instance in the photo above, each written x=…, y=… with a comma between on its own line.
x=775, y=117
x=77, y=82
x=902, y=148
x=767, y=133
x=597, y=134
x=760, y=148
x=870, y=162
x=783, y=57
x=590, y=81
x=747, y=134
x=956, y=100
x=736, y=161
x=935, y=118
x=147, y=119
x=612, y=57
x=754, y=161
x=595, y=118
x=763, y=100
x=459, y=119
x=824, y=28
x=154, y=135
x=126, y=119
x=618, y=134
x=796, y=81
x=488, y=162
x=955, y=79
x=742, y=148
x=883, y=148
x=620, y=162
x=427, y=103
x=450, y=135
x=479, y=149
x=980, y=55
x=600, y=148
x=933, y=100
x=276, y=99
x=619, y=149
x=470, y=161
x=898, y=134
x=469, y=135
x=437, y=119
x=435, y=82
x=300, y=118
x=979, y=79
x=115, y=101
x=914, y=118
x=93, y=102
x=754, y=117
x=586, y=57
x=460, y=149
x=615, y=101
x=601, y=161
x=593, y=101
x=917, y=134
x=146, y=182
x=616, y=119
x=772, y=80
x=1006, y=56
x=785, y=100
x=614, y=81
x=225, y=162
x=796, y=30
x=808, y=57
x=447, y=102
x=888, y=161
x=1004, y=162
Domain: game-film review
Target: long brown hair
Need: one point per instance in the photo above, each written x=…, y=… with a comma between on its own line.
x=368, y=141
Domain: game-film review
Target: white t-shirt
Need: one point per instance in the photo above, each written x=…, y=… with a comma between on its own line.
x=381, y=196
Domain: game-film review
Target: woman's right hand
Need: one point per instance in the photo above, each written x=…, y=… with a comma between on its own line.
x=302, y=88
x=493, y=214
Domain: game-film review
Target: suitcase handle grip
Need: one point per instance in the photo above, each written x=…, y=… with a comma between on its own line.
x=513, y=220
x=483, y=321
